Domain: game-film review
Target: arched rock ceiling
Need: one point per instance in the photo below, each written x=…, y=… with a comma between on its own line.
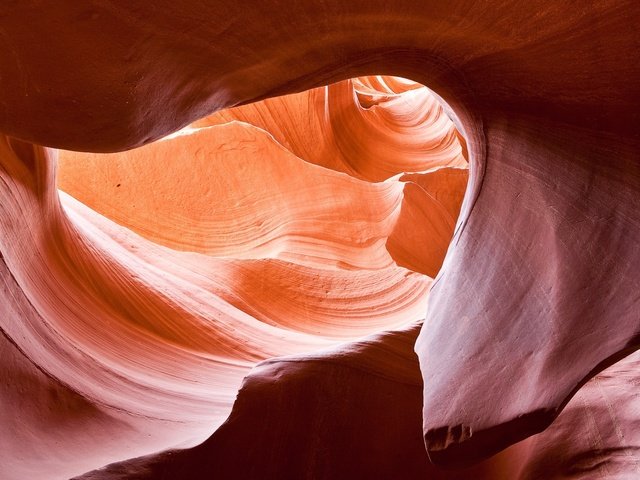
x=537, y=293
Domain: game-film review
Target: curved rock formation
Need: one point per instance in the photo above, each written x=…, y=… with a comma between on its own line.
x=394, y=126
x=149, y=294
x=354, y=413
x=538, y=290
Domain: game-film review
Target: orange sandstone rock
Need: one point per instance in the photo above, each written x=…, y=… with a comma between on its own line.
x=537, y=293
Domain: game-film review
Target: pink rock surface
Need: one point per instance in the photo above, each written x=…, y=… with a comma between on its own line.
x=353, y=411
x=151, y=294
x=537, y=293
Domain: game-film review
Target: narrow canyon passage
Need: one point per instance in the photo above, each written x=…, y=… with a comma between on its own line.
x=180, y=265
x=229, y=249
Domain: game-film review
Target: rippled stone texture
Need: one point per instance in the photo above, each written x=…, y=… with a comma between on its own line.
x=150, y=285
x=537, y=293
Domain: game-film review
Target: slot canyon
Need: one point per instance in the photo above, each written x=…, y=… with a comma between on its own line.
x=320, y=240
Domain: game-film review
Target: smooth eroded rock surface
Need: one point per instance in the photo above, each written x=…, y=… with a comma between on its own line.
x=149, y=313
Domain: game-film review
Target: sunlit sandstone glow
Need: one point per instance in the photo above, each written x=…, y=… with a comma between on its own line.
x=185, y=262
x=242, y=295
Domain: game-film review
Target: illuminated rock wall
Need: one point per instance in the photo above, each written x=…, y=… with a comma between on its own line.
x=129, y=333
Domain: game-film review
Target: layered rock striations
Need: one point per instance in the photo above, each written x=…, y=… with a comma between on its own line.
x=138, y=321
x=150, y=284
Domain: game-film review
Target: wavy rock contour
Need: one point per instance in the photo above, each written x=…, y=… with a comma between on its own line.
x=537, y=292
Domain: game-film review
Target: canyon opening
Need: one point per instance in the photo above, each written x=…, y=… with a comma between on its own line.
x=228, y=250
